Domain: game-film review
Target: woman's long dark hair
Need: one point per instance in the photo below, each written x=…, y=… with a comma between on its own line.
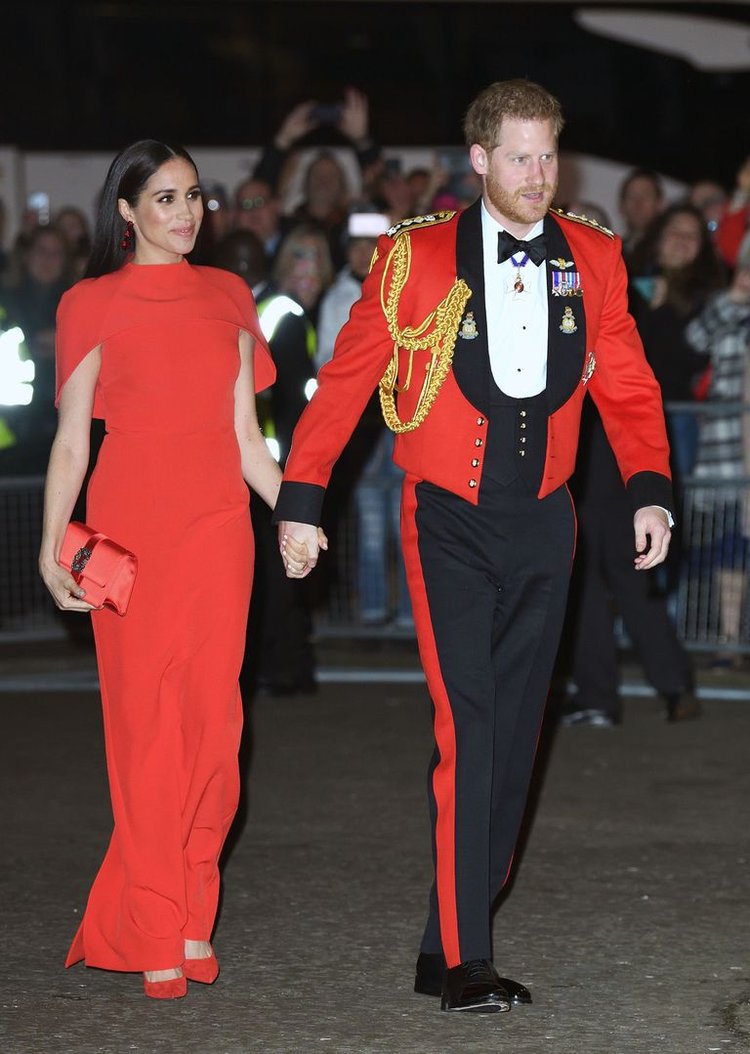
x=127, y=176
x=689, y=287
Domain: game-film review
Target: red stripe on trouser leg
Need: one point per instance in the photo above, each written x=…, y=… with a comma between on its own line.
x=444, y=775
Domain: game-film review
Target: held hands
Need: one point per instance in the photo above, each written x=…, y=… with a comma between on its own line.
x=300, y=545
x=651, y=523
x=66, y=592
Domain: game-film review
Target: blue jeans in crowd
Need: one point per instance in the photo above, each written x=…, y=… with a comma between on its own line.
x=378, y=502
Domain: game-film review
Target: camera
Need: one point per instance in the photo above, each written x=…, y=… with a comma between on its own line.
x=326, y=113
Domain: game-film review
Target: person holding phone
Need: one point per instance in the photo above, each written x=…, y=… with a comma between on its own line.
x=326, y=192
x=170, y=355
x=484, y=330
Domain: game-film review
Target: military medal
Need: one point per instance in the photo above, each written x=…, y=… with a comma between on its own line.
x=568, y=324
x=518, y=285
x=468, y=330
x=565, y=283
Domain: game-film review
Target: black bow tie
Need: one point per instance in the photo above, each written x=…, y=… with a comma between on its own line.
x=508, y=246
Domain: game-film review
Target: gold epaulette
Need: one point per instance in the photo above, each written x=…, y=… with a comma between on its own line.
x=585, y=221
x=436, y=334
x=431, y=219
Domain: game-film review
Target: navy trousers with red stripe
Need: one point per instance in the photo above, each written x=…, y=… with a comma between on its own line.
x=488, y=585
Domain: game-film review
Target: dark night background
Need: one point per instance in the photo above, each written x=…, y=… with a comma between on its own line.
x=95, y=75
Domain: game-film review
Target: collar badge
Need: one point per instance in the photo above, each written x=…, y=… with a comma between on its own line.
x=468, y=330
x=568, y=324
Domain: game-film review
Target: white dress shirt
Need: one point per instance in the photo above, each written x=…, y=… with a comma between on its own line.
x=517, y=323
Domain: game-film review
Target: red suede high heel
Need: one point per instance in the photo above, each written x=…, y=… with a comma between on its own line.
x=173, y=988
x=204, y=971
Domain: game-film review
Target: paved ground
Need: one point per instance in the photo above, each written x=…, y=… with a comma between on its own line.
x=629, y=917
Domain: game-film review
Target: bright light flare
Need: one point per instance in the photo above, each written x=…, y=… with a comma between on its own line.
x=273, y=446
x=16, y=374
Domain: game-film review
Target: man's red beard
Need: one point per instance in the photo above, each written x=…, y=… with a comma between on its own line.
x=514, y=206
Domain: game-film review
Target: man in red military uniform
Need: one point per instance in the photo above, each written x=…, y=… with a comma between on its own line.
x=487, y=328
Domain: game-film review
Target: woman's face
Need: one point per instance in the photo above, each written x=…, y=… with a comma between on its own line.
x=46, y=259
x=325, y=182
x=304, y=280
x=167, y=215
x=680, y=241
x=72, y=226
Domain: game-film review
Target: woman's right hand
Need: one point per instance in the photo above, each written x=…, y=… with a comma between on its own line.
x=300, y=544
x=66, y=592
x=659, y=295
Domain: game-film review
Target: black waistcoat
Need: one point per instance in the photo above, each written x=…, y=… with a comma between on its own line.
x=516, y=438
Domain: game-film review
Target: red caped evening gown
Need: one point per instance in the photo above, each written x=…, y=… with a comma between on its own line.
x=168, y=486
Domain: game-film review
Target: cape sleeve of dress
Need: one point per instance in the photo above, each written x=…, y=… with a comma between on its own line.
x=78, y=331
x=264, y=370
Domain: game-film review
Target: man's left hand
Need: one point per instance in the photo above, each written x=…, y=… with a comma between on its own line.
x=651, y=525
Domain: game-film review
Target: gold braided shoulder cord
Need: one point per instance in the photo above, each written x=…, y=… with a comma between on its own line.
x=439, y=341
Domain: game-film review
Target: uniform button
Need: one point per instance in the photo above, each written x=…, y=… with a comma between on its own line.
x=522, y=413
x=475, y=462
x=477, y=442
x=523, y=439
x=480, y=420
x=523, y=425
x=472, y=483
x=522, y=453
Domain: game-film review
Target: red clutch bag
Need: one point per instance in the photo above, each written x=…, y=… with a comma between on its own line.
x=102, y=567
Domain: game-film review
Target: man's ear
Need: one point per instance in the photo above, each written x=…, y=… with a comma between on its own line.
x=479, y=159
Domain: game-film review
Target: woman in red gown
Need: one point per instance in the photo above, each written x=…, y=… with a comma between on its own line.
x=170, y=355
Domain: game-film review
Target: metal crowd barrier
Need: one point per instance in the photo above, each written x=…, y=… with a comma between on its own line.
x=712, y=604
x=707, y=596
x=26, y=608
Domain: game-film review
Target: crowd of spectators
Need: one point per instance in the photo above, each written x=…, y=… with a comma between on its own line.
x=293, y=229
x=688, y=265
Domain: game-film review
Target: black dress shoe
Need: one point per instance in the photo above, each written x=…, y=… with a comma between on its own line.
x=474, y=986
x=682, y=706
x=430, y=970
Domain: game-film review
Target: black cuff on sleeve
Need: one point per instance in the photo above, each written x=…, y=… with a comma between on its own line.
x=301, y=502
x=650, y=488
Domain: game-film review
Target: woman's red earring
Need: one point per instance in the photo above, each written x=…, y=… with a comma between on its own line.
x=127, y=238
